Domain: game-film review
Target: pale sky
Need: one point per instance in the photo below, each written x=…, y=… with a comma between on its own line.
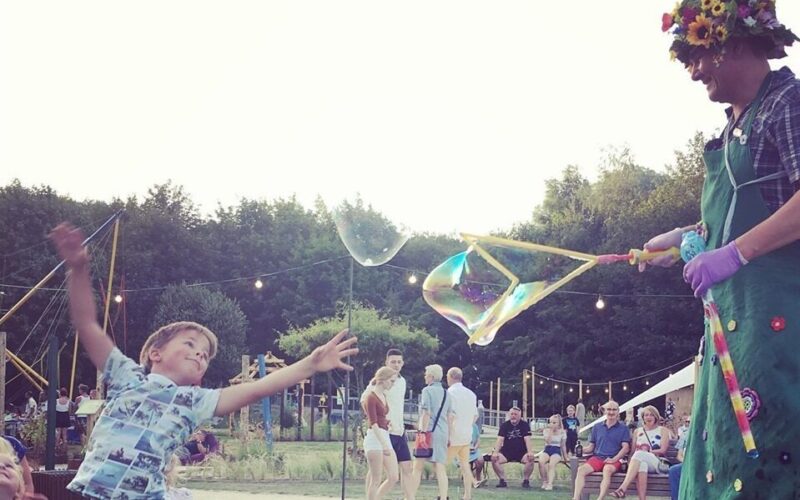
x=444, y=115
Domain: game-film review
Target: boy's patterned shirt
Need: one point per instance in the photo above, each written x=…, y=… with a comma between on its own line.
x=146, y=418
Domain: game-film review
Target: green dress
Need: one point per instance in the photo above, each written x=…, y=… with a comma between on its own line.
x=760, y=311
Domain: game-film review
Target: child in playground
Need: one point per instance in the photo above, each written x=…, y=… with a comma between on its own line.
x=153, y=407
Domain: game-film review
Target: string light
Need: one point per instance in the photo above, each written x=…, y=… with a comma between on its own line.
x=570, y=389
x=624, y=387
x=588, y=390
x=647, y=382
x=259, y=284
x=118, y=298
x=412, y=279
x=555, y=386
x=600, y=304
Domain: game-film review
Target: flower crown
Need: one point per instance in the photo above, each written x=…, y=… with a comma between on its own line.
x=709, y=24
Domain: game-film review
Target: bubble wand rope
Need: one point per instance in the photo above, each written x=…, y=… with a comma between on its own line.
x=693, y=244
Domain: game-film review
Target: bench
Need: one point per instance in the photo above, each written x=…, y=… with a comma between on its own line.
x=657, y=484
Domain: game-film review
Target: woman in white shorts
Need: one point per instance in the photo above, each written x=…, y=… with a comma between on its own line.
x=377, y=445
x=651, y=442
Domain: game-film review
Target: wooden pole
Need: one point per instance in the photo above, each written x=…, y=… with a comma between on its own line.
x=533, y=392
x=525, y=394
x=100, y=386
x=580, y=389
x=491, y=395
x=609, y=390
x=266, y=409
x=244, y=415
x=300, y=411
x=498, y=402
x=2, y=376
x=50, y=440
x=313, y=406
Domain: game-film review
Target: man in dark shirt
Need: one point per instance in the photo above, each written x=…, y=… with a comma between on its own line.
x=610, y=441
x=514, y=445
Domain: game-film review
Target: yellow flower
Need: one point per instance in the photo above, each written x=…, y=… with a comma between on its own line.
x=721, y=33
x=700, y=31
x=706, y=4
x=672, y=55
x=677, y=10
x=717, y=9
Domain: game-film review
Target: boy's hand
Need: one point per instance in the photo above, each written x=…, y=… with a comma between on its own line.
x=68, y=241
x=329, y=356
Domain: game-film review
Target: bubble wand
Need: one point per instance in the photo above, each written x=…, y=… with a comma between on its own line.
x=691, y=246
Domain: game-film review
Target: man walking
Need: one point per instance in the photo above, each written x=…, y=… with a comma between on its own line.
x=463, y=403
x=395, y=398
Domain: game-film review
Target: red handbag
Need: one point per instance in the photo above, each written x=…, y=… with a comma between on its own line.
x=423, y=446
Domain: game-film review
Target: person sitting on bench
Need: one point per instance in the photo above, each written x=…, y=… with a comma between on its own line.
x=609, y=442
x=513, y=445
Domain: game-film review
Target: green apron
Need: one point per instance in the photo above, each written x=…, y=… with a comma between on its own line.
x=760, y=311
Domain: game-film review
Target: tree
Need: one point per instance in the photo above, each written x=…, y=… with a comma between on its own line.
x=215, y=311
x=376, y=334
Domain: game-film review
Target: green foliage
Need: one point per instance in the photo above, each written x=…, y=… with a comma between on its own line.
x=213, y=310
x=376, y=334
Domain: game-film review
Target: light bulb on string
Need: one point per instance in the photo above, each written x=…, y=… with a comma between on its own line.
x=258, y=284
x=412, y=279
x=570, y=389
x=541, y=382
x=647, y=382
x=555, y=386
x=118, y=298
x=600, y=304
x=588, y=390
x=624, y=387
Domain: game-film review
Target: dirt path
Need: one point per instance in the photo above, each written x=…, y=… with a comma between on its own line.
x=238, y=495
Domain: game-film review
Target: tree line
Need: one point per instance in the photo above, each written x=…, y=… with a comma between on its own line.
x=175, y=263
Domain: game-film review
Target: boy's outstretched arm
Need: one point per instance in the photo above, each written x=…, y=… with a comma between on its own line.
x=82, y=309
x=322, y=359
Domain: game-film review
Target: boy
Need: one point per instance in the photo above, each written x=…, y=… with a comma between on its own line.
x=571, y=424
x=153, y=408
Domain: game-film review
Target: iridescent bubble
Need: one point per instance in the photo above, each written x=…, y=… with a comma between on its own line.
x=483, y=288
x=369, y=236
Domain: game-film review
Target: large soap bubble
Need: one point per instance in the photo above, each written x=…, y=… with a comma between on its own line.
x=369, y=236
x=483, y=288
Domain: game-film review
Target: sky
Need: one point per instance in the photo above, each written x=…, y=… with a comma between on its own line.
x=445, y=115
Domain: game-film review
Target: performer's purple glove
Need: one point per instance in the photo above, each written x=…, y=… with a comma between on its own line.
x=709, y=268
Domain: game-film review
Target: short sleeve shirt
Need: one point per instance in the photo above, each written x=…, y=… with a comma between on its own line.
x=465, y=407
x=608, y=440
x=395, y=397
x=571, y=424
x=146, y=418
x=514, y=438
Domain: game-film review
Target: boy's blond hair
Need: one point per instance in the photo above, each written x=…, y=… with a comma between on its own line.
x=8, y=450
x=166, y=333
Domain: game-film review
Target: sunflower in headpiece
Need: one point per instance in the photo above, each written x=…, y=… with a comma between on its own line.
x=708, y=24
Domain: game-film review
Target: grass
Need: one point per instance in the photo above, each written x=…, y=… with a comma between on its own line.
x=355, y=489
x=314, y=468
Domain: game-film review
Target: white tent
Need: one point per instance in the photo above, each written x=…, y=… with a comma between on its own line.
x=677, y=381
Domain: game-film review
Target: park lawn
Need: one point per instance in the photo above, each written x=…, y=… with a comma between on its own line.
x=355, y=489
x=314, y=469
